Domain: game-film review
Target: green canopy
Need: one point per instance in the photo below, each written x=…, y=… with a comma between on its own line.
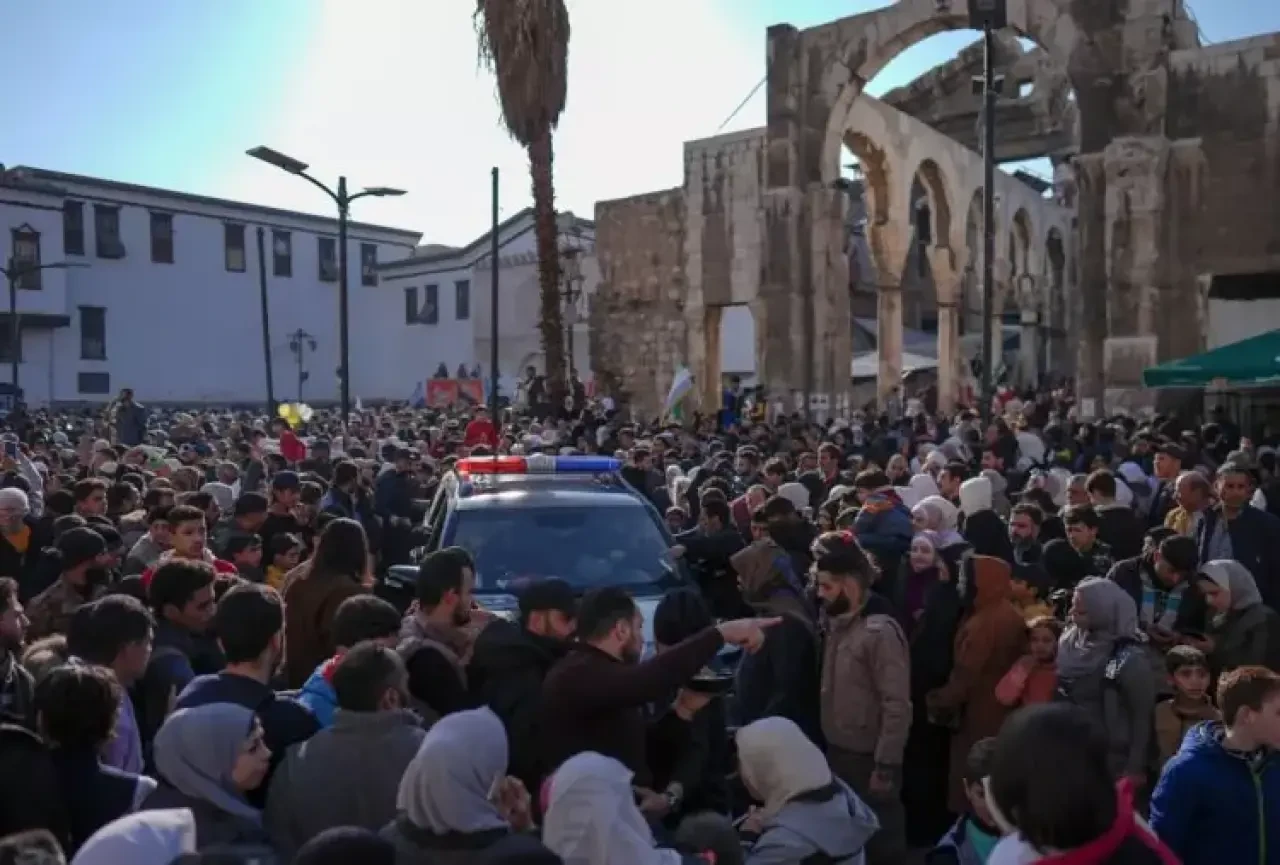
x=1253, y=361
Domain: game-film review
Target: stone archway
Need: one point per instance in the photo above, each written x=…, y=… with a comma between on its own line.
x=814, y=79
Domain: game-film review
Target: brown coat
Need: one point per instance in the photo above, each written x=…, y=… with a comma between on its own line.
x=310, y=602
x=866, y=686
x=1173, y=722
x=990, y=641
x=50, y=611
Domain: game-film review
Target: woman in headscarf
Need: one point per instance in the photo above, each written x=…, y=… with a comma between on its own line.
x=805, y=810
x=208, y=759
x=932, y=634
x=923, y=486
x=937, y=515
x=1099, y=658
x=454, y=800
x=144, y=838
x=781, y=679
x=1244, y=630
x=991, y=639
x=592, y=818
x=898, y=471
x=983, y=527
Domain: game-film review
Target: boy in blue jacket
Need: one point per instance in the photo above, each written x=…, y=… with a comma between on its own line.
x=1218, y=799
x=973, y=837
x=364, y=617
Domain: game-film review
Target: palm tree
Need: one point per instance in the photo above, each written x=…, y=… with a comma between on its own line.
x=525, y=43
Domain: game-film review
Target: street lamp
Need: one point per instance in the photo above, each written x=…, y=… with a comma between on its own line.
x=571, y=278
x=14, y=272
x=988, y=16
x=343, y=199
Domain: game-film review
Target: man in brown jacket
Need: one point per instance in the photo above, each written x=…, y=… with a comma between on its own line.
x=866, y=689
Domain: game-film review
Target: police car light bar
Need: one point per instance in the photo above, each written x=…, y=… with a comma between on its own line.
x=537, y=464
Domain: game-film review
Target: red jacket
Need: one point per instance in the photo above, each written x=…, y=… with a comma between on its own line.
x=291, y=447
x=480, y=432
x=220, y=567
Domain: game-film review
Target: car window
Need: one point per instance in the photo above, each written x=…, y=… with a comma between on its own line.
x=587, y=547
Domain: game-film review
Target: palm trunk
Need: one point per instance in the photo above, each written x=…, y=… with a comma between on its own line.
x=546, y=230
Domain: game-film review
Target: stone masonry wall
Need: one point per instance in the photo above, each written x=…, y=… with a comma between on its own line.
x=638, y=332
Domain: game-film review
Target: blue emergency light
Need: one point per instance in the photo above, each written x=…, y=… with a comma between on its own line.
x=537, y=464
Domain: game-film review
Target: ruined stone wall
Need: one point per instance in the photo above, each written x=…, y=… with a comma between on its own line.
x=638, y=332
x=723, y=231
x=1224, y=190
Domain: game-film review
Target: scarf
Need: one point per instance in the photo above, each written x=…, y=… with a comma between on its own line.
x=1159, y=606
x=447, y=785
x=1112, y=617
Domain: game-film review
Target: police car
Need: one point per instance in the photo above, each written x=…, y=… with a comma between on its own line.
x=526, y=518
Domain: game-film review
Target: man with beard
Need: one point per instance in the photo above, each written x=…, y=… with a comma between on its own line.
x=1024, y=532
x=510, y=662
x=17, y=688
x=22, y=537
x=436, y=642
x=708, y=549
x=866, y=694
x=249, y=623
x=594, y=699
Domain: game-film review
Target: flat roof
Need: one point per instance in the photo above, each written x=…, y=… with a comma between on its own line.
x=23, y=172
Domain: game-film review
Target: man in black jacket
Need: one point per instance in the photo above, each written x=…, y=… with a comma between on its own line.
x=510, y=661
x=708, y=549
x=17, y=688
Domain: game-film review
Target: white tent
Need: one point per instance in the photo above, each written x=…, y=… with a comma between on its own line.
x=867, y=364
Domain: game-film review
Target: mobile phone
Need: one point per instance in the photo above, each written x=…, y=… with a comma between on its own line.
x=11, y=450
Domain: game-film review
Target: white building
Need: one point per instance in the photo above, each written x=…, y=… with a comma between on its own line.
x=162, y=294
x=447, y=299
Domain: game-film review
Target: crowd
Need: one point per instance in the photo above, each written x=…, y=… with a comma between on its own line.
x=899, y=640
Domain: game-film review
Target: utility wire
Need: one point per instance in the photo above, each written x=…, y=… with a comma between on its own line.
x=742, y=105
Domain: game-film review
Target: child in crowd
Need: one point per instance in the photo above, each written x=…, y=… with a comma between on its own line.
x=282, y=557
x=1218, y=799
x=1034, y=678
x=1190, y=704
x=973, y=837
x=245, y=552
x=1026, y=598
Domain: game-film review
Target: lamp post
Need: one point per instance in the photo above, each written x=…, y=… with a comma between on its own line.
x=988, y=16
x=343, y=199
x=299, y=341
x=13, y=272
x=571, y=279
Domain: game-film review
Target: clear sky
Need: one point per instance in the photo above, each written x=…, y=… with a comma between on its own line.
x=172, y=92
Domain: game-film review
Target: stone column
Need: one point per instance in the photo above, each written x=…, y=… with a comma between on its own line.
x=888, y=337
x=946, y=281
x=707, y=376
x=1029, y=349
x=833, y=349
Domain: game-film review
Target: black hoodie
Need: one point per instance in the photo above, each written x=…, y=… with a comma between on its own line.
x=508, y=665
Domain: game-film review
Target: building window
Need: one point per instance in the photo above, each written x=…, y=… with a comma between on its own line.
x=25, y=259
x=281, y=253
x=73, y=227
x=368, y=264
x=93, y=333
x=94, y=382
x=233, y=241
x=162, y=238
x=462, y=299
x=6, y=345
x=430, y=312
x=327, y=251
x=411, y=305
x=106, y=231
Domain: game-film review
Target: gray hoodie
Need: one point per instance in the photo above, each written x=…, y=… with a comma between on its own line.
x=838, y=826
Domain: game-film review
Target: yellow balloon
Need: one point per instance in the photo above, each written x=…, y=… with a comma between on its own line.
x=284, y=410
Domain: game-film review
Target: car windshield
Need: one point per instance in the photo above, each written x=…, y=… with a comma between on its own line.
x=586, y=547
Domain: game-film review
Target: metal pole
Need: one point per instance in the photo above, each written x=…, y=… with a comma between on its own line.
x=988, y=218
x=573, y=311
x=15, y=329
x=266, y=322
x=344, y=346
x=493, y=313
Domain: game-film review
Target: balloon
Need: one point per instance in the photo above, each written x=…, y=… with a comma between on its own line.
x=304, y=412
x=284, y=410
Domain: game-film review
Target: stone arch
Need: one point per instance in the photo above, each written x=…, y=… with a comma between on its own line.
x=871, y=41
x=878, y=196
x=971, y=280
x=935, y=187
x=1022, y=231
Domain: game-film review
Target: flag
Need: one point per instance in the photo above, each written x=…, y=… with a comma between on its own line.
x=419, y=398
x=681, y=386
x=359, y=406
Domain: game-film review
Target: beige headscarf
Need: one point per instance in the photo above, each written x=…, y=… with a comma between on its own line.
x=779, y=762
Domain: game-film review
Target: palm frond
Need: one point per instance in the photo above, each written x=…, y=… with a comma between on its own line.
x=525, y=44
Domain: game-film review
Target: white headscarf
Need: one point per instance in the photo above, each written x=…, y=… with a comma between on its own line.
x=779, y=762
x=592, y=818
x=142, y=838
x=924, y=487
x=1235, y=578
x=446, y=786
